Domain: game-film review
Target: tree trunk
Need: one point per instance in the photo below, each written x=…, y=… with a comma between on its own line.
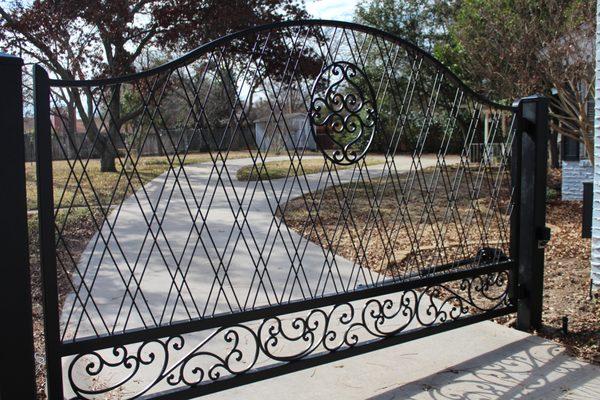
x=107, y=160
x=109, y=151
x=554, y=150
x=74, y=145
x=588, y=142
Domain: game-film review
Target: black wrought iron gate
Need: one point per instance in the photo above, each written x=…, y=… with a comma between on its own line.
x=279, y=198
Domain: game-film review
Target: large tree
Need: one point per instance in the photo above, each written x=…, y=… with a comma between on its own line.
x=506, y=49
x=511, y=48
x=426, y=24
x=79, y=39
x=423, y=22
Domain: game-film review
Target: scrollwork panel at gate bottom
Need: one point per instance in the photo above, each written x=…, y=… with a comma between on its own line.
x=191, y=360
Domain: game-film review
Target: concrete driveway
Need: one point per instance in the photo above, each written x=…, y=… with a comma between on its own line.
x=485, y=361
x=165, y=257
x=219, y=234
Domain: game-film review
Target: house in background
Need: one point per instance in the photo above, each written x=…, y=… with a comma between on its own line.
x=595, y=257
x=284, y=131
x=576, y=166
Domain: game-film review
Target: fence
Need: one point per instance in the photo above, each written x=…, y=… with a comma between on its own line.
x=64, y=147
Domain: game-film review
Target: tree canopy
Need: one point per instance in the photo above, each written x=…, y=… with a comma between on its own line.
x=86, y=39
x=92, y=38
x=423, y=22
x=511, y=48
x=506, y=49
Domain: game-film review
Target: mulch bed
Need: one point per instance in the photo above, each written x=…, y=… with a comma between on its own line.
x=77, y=233
x=567, y=286
x=567, y=281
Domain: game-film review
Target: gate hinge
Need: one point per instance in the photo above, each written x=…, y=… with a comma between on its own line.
x=543, y=237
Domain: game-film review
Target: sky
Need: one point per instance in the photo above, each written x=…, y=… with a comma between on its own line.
x=332, y=9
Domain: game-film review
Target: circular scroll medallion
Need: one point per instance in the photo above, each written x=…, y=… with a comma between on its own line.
x=343, y=108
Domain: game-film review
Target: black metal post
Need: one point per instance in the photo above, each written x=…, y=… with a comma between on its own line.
x=17, y=365
x=588, y=208
x=532, y=132
x=47, y=238
x=515, y=216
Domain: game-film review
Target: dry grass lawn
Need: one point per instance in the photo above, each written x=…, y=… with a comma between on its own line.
x=76, y=187
x=567, y=266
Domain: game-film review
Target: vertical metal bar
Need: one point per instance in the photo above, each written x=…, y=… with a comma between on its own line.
x=515, y=216
x=46, y=228
x=533, y=127
x=16, y=355
x=587, y=212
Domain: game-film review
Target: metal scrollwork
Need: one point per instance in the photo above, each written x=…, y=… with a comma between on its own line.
x=346, y=110
x=234, y=350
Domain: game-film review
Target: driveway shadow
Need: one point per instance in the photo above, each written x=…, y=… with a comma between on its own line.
x=529, y=368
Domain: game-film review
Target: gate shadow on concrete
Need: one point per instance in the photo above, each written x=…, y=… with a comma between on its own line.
x=529, y=368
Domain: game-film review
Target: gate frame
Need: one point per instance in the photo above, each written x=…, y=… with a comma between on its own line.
x=526, y=291
x=532, y=234
x=17, y=355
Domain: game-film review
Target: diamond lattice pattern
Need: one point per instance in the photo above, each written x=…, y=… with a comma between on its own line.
x=225, y=195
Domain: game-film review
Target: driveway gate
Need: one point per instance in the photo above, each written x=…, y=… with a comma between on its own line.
x=279, y=198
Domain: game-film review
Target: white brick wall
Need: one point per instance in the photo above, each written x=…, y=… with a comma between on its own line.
x=574, y=173
x=596, y=214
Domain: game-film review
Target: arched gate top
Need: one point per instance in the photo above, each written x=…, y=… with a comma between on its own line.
x=201, y=50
